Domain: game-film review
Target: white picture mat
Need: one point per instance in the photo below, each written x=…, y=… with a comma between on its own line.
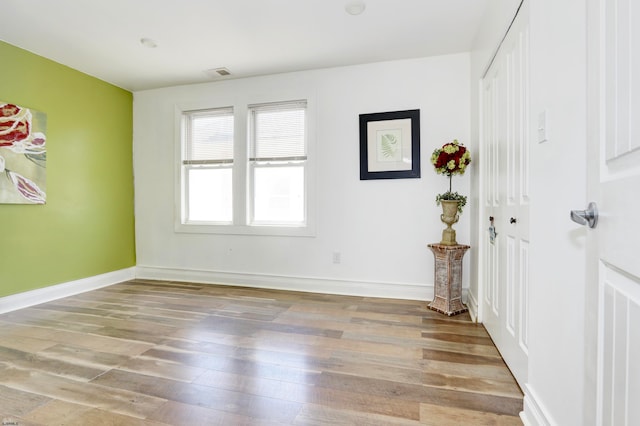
x=381, y=134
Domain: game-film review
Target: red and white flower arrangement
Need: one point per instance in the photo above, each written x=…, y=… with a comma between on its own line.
x=452, y=159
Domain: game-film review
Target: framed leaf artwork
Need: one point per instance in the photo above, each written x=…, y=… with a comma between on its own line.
x=390, y=145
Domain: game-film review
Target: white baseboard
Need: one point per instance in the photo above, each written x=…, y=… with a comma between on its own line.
x=472, y=304
x=534, y=413
x=305, y=284
x=47, y=294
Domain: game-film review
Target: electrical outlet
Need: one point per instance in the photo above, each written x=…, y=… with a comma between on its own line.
x=336, y=257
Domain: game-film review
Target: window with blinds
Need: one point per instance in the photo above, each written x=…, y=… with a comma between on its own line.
x=207, y=165
x=277, y=163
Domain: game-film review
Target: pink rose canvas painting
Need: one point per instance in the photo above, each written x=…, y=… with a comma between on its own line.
x=23, y=155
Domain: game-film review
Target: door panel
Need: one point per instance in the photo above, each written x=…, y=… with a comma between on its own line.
x=489, y=157
x=619, y=349
x=524, y=297
x=511, y=266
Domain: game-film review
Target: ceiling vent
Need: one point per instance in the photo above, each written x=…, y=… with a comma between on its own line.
x=218, y=72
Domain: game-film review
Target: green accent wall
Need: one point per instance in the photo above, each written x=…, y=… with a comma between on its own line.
x=86, y=228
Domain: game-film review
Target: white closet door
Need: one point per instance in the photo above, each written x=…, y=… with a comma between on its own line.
x=505, y=198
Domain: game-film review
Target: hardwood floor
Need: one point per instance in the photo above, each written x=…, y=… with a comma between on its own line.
x=154, y=353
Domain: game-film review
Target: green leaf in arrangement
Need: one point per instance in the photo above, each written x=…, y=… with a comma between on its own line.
x=389, y=145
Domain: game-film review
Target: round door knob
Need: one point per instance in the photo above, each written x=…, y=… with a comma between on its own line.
x=513, y=220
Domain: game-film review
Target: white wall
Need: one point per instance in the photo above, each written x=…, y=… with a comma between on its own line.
x=380, y=227
x=558, y=185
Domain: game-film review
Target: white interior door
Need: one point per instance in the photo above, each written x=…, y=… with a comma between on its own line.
x=614, y=183
x=505, y=197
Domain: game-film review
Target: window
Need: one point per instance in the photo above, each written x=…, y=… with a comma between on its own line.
x=278, y=157
x=207, y=166
x=245, y=169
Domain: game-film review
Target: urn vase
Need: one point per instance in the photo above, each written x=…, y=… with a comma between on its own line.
x=449, y=216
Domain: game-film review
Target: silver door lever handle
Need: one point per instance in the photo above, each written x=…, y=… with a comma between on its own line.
x=586, y=217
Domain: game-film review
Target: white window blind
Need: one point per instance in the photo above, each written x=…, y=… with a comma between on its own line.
x=278, y=131
x=210, y=136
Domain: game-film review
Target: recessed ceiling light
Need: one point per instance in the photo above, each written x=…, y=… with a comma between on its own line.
x=147, y=42
x=355, y=7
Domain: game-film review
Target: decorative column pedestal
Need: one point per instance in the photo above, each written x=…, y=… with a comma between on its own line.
x=447, y=297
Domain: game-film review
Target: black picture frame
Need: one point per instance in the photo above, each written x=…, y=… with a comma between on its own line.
x=390, y=145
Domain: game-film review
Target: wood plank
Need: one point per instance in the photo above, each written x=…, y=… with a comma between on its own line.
x=365, y=403
x=55, y=387
x=87, y=340
x=322, y=415
x=479, y=401
x=202, y=396
x=18, y=403
x=436, y=415
x=176, y=413
x=69, y=414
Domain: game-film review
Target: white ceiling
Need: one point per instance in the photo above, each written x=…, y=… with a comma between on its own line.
x=249, y=37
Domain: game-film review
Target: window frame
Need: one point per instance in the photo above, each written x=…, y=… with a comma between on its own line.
x=241, y=189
